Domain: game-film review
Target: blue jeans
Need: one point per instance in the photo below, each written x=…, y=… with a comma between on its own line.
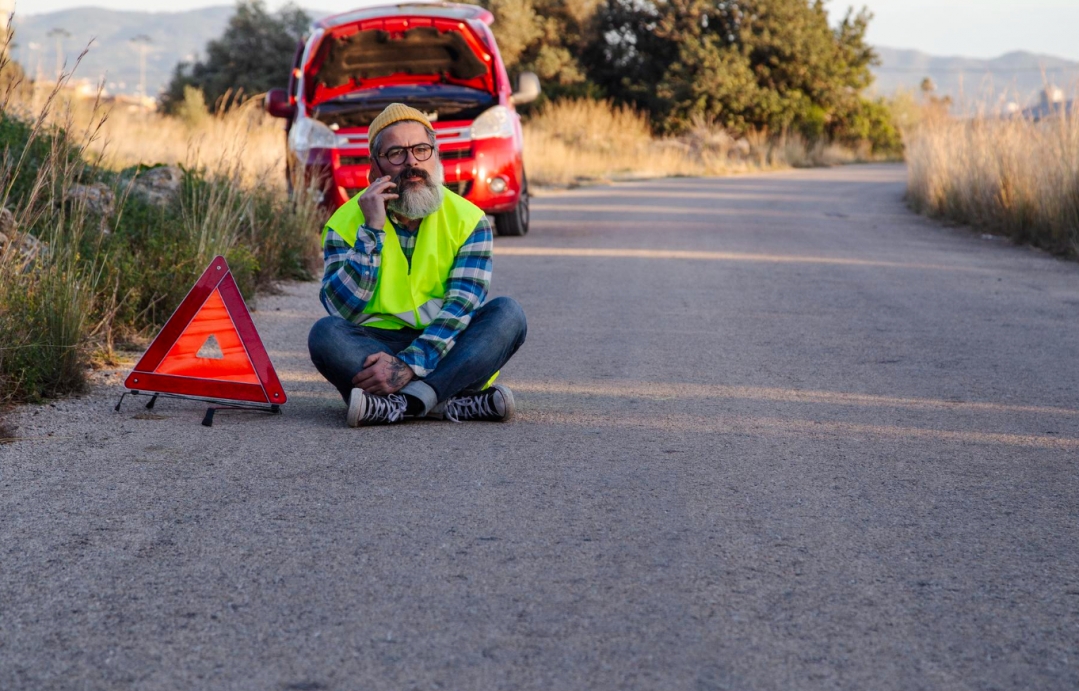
x=339, y=348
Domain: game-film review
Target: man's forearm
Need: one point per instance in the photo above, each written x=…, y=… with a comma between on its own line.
x=351, y=272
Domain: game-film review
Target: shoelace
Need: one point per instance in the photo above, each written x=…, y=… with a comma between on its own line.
x=389, y=408
x=470, y=407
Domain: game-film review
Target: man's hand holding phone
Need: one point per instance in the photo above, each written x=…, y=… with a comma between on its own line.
x=373, y=202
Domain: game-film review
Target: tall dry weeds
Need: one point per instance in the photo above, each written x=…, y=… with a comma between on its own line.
x=198, y=139
x=567, y=142
x=575, y=140
x=48, y=278
x=1011, y=176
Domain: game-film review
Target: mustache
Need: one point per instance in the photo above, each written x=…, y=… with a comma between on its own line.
x=411, y=172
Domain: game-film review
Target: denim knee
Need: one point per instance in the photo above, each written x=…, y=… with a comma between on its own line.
x=321, y=336
x=510, y=316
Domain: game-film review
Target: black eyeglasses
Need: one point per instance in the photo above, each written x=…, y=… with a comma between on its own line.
x=399, y=154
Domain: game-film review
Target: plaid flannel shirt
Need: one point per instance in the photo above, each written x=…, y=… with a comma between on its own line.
x=351, y=274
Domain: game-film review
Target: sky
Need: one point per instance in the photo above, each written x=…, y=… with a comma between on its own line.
x=971, y=28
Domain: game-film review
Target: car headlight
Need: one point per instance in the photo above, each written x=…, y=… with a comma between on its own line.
x=307, y=133
x=493, y=123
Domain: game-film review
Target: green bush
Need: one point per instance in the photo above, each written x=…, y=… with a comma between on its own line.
x=24, y=151
x=44, y=316
x=48, y=268
x=874, y=122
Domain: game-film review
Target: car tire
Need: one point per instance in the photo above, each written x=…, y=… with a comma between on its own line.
x=515, y=223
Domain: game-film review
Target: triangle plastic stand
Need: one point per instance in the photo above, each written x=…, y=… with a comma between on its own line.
x=238, y=372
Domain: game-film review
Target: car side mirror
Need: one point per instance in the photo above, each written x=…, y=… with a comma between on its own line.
x=277, y=104
x=528, y=89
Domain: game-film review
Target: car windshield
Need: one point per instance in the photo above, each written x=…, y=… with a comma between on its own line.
x=443, y=102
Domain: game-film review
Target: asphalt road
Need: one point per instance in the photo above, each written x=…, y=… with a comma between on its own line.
x=774, y=432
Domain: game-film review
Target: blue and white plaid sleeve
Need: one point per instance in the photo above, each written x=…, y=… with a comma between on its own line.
x=351, y=272
x=466, y=290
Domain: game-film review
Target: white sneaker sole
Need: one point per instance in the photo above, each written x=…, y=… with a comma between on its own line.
x=357, y=406
x=507, y=396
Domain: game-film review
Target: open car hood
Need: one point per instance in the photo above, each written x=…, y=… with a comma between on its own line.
x=367, y=52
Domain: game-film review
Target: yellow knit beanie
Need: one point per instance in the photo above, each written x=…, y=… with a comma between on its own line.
x=395, y=113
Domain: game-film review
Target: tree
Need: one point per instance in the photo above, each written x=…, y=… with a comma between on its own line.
x=252, y=56
x=743, y=64
x=546, y=37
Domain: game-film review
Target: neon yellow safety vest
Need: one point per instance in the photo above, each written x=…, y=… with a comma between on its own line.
x=403, y=296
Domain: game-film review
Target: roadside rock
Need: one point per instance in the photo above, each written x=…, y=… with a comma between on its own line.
x=7, y=224
x=30, y=247
x=98, y=197
x=27, y=247
x=158, y=185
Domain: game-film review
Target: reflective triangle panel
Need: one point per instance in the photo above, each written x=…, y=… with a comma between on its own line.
x=213, y=309
x=211, y=320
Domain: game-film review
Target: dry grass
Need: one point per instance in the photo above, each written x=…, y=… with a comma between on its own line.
x=567, y=143
x=573, y=141
x=197, y=139
x=1015, y=177
x=213, y=143
x=48, y=296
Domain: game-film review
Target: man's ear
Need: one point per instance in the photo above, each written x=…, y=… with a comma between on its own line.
x=373, y=173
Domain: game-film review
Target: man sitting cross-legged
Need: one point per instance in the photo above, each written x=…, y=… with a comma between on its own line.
x=408, y=264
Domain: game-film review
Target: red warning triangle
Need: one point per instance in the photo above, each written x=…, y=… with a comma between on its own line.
x=183, y=359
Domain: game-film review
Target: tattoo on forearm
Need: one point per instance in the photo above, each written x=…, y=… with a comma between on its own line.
x=399, y=372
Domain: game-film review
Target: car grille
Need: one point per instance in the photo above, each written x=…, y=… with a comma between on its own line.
x=454, y=154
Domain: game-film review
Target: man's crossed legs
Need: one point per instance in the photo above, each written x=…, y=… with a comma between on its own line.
x=339, y=348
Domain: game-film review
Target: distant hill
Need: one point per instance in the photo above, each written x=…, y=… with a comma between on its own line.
x=174, y=36
x=1020, y=75
x=177, y=36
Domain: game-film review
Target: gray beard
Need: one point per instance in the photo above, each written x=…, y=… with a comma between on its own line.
x=420, y=202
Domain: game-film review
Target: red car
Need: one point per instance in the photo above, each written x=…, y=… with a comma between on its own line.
x=440, y=58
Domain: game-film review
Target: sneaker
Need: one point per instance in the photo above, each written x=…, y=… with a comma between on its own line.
x=494, y=405
x=368, y=409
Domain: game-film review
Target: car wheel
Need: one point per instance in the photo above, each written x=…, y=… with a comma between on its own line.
x=515, y=223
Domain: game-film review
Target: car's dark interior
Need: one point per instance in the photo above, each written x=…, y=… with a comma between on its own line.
x=419, y=51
